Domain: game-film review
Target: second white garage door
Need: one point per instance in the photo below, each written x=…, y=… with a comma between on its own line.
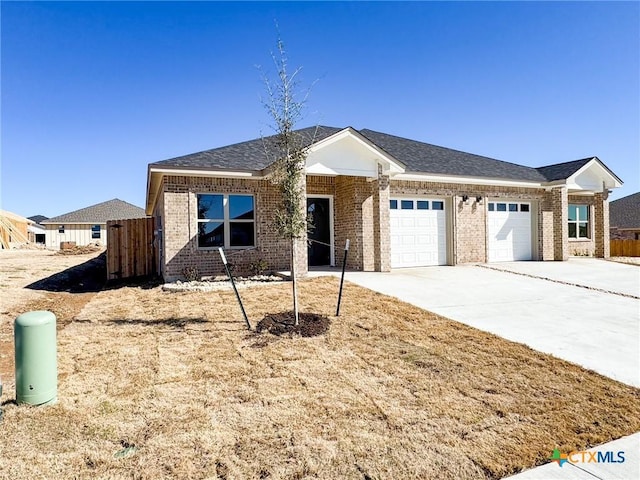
x=509, y=231
x=418, y=232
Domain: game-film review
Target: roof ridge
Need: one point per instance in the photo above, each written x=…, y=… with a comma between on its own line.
x=114, y=204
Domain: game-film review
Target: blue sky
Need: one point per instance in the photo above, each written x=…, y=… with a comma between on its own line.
x=92, y=92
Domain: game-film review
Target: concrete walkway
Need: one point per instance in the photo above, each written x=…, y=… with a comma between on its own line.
x=585, y=311
x=597, y=330
x=592, y=273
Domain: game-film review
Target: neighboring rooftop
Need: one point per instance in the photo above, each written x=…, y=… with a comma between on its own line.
x=115, y=209
x=38, y=218
x=625, y=212
x=419, y=157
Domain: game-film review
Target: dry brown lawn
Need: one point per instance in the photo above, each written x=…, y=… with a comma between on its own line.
x=171, y=385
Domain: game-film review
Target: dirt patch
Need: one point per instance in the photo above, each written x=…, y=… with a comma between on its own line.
x=79, y=250
x=50, y=282
x=283, y=323
x=89, y=276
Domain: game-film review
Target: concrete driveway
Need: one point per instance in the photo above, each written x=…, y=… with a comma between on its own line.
x=592, y=319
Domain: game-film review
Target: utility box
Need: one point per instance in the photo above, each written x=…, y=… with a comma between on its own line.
x=36, y=362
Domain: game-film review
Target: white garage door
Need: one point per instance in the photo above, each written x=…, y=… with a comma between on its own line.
x=509, y=231
x=418, y=232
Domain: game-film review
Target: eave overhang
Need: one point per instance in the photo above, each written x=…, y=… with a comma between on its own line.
x=156, y=174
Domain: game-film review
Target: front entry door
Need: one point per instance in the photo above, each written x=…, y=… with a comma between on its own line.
x=319, y=212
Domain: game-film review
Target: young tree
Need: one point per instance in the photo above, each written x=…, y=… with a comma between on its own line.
x=287, y=149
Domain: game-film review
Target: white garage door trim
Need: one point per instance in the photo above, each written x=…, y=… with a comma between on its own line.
x=509, y=230
x=418, y=228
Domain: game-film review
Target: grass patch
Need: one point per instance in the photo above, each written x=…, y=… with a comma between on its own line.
x=171, y=385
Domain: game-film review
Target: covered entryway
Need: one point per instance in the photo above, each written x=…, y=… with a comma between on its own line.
x=418, y=229
x=319, y=211
x=509, y=231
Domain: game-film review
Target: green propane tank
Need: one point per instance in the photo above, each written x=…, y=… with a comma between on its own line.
x=36, y=362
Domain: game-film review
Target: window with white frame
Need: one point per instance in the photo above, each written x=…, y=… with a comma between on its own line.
x=95, y=231
x=578, y=221
x=226, y=220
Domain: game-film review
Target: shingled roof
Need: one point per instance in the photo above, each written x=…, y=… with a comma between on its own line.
x=625, y=212
x=560, y=171
x=38, y=218
x=115, y=209
x=255, y=154
x=418, y=157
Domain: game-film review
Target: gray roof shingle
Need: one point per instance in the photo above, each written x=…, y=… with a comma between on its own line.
x=115, y=209
x=560, y=171
x=426, y=158
x=418, y=157
x=625, y=212
x=255, y=154
x=38, y=218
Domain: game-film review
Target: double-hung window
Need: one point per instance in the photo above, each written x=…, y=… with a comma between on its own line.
x=95, y=231
x=578, y=221
x=226, y=220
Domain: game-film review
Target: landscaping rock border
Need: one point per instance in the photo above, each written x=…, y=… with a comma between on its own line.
x=210, y=284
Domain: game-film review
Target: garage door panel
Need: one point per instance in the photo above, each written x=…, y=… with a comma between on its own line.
x=418, y=236
x=509, y=234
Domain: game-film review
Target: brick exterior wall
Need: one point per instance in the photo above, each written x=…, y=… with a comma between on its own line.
x=560, y=205
x=180, y=227
x=601, y=225
x=470, y=239
x=361, y=213
x=546, y=245
x=469, y=221
x=352, y=202
x=300, y=250
x=624, y=234
x=381, y=232
x=583, y=247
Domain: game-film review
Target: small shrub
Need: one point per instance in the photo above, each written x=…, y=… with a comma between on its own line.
x=191, y=274
x=258, y=266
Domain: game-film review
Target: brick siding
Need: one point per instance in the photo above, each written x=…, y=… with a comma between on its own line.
x=180, y=227
x=361, y=214
x=601, y=225
x=470, y=220
x=560, y=205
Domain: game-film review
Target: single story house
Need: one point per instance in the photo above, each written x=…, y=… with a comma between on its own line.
x=624, y=217
x=88, y=225
x=37, y=230
x=400, y=202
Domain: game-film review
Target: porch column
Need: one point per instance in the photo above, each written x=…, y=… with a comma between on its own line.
x=300, y=252
x=381, y=231
x=545, y=228
x=601, y=224
x=560, y=202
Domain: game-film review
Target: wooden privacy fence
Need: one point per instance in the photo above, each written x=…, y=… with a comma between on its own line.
x=130, y=248
x=625, y=248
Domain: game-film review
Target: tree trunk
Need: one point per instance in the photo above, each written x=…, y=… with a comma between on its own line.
x=293, y=282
